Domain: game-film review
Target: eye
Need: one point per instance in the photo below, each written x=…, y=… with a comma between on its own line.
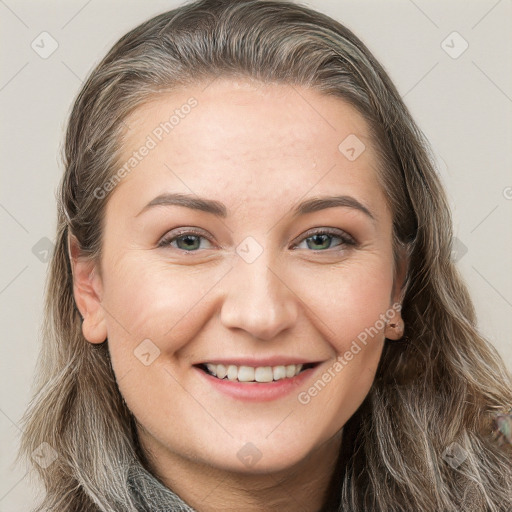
x=187, y=240
x=321, y=239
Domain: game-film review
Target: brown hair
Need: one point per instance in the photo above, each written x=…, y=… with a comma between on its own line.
x=441, y=385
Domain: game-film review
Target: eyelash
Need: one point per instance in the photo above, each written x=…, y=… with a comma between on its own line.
x=346, y=240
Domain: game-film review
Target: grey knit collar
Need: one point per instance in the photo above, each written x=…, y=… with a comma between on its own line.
x=150, y=495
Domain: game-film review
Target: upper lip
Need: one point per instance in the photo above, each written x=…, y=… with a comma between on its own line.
x=265, y=361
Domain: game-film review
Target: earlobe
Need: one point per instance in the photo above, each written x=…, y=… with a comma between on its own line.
x=394, y=328
x=87, y=290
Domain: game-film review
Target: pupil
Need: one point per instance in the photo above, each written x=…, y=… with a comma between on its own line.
x=189, y=240
x=315, y=239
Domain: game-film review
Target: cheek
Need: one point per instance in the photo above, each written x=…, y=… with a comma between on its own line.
x=350, y=312
x=153, y=311
x=148, y=299
x=349, y=301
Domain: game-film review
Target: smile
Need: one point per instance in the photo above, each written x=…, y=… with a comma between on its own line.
x=257, y=383
x=245, y=373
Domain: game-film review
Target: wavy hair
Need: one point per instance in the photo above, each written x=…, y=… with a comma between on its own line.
x=441, y=386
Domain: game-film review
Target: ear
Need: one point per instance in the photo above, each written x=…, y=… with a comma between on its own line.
x=395, y=324
x=87, y=290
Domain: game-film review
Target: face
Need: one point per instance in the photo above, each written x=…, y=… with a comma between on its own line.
x=241, y=277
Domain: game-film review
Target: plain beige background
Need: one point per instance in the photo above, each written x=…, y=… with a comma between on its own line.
x=461, y=97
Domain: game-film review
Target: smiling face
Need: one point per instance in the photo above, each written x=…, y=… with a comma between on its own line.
x=244, y=277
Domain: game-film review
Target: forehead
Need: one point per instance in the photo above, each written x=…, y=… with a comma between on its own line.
x=242, y=140
x=249, y=113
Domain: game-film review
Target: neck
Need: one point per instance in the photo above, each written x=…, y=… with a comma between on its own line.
x=303, y=487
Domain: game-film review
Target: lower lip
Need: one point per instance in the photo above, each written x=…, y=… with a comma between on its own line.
x=259, y=391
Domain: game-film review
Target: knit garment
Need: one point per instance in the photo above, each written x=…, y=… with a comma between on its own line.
x=150, y=495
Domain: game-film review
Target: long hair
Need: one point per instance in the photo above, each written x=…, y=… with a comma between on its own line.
x=436, y=392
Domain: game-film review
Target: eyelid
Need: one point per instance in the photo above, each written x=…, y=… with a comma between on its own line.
x=171, y=235
x=346, y=239
x=343, y=235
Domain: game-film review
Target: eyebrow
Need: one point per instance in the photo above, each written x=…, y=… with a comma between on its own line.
x=219, y=209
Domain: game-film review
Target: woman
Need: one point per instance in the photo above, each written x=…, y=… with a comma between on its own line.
x=317, y=350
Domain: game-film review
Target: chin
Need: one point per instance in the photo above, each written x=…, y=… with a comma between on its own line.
x=258, y=463
x=259, y=456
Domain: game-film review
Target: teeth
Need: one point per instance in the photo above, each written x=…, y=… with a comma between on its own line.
x=212, y=368
x=245, y=373
x=290, y=370
x=279, y=372
x=232, y=372
x=263, y=374
x=221, y=371
x=251, y=374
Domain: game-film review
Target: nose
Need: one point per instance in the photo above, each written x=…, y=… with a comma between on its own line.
x=259, y=299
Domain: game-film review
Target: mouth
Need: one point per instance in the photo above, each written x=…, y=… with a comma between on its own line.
x=252, y=374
